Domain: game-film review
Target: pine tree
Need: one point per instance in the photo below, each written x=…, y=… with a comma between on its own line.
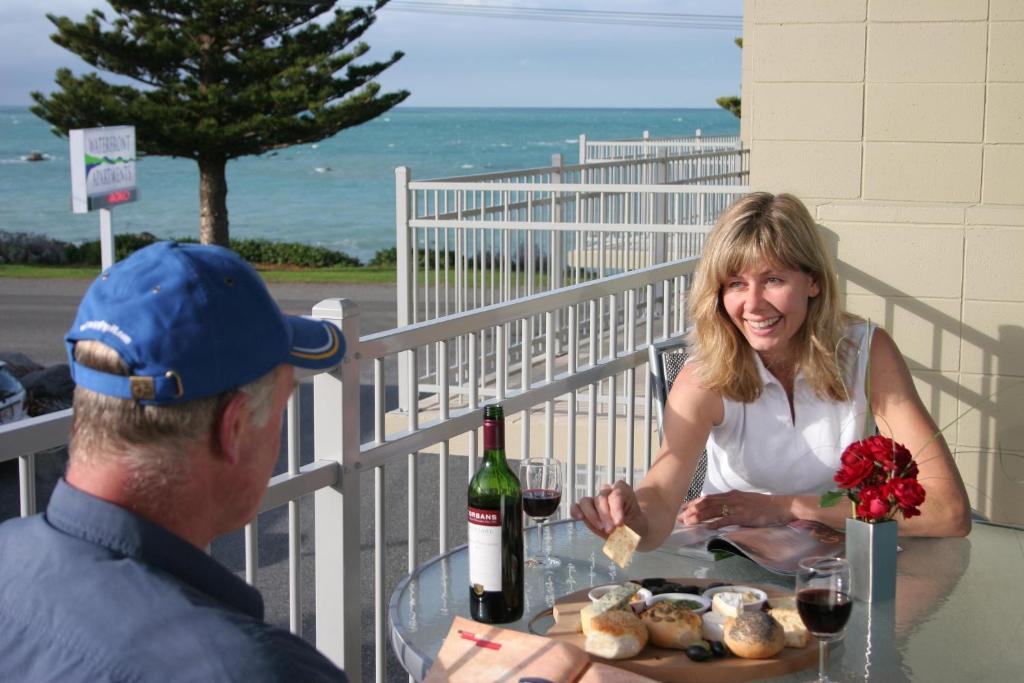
x=221, y=79
x=732, y=103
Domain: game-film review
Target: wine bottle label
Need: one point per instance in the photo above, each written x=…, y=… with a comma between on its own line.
x=484, y=550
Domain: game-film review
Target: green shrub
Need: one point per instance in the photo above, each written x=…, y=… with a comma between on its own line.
x=257, y=251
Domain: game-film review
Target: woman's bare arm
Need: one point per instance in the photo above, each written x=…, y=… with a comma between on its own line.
x=650, y=510
x=901, y=415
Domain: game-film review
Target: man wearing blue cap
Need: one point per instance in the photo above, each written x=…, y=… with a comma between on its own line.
x=183, y=365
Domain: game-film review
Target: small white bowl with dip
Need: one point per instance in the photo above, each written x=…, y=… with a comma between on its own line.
x=753, y=598
x=698, y=604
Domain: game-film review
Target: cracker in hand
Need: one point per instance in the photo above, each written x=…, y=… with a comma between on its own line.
x=620, y=545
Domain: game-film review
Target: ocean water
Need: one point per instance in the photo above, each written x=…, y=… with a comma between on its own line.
x=340, y=192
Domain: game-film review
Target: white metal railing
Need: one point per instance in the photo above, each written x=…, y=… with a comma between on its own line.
x=600, y=150
x=565, y=391
x=464, y=243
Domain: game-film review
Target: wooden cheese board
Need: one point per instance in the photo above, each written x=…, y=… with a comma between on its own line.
x=673, y=665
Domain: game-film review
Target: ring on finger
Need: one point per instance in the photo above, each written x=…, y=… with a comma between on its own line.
x=725, y=509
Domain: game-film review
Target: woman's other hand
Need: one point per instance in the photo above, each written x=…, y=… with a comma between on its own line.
x=736, y=507
x=613, y=506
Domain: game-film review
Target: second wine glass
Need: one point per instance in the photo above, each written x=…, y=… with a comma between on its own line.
x=824, y=603
x=541, y=480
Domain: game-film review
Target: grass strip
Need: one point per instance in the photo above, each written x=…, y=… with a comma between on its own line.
x=359, y=275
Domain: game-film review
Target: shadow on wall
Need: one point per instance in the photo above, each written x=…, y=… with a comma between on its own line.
x=988, y=404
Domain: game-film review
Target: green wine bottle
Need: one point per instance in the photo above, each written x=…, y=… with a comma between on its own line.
x=495, y=515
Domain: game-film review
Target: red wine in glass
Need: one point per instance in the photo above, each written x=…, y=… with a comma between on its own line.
x=823, y=611
x=542, y=492
x=823, y=602
x=541, y=503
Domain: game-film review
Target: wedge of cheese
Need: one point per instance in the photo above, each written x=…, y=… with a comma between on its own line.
x=616, y=598
x=792, y=625
x=782, y=602
x=727, y=603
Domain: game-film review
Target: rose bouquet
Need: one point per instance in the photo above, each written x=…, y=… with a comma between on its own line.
x=879, y=476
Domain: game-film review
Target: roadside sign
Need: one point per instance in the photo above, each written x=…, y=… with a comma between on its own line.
x=103, y=176
x=102, y=167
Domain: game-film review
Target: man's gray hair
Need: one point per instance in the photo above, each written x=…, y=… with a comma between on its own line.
x=152, y=441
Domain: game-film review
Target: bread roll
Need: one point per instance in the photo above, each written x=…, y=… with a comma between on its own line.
x=617, y=634
x=792, y=625
x=754, y=635
x=671, y=625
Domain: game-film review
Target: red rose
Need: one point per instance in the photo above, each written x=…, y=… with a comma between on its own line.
x=873, y=505
x=854, y=470
x=894, y=457
x=908, y=494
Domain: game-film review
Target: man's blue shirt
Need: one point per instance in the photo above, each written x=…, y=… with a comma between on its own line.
x=91, y=592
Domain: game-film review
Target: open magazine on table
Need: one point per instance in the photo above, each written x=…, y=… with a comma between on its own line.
x=778, y=548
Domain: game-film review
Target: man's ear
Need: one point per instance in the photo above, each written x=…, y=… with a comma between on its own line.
x=232, y=427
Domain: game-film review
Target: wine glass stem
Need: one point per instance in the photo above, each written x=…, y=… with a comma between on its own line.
x=822, y=661
x=540, y=541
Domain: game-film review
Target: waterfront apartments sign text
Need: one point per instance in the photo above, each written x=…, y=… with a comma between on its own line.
x=102, y=167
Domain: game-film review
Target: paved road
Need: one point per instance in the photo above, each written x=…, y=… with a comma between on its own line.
x=34, y=314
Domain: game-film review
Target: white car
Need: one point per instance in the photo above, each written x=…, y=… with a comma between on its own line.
x=12, y=396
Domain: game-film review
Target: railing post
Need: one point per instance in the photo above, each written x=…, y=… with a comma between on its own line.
x=406, y=276
x=556, y=259
x=337, y=534
x=583, y=148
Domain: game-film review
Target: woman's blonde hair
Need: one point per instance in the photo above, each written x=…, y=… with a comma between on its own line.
x=152, y=441
x=762, y=228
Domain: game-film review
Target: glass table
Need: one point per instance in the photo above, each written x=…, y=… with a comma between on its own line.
x=958, y=613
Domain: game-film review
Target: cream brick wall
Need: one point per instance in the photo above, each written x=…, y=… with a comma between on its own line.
x=924, y=112
x=1004, y=174
x=832, y=111
x=896, y=170
x=1004, y=115
x=924, y=204
x=928, y=10
x=809, y=52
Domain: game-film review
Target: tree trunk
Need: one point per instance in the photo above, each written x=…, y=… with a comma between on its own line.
x=213, y=201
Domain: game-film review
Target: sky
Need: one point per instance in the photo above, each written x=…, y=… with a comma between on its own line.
x=457, y=59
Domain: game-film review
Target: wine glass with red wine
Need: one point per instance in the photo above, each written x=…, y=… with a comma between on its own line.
x=541, y=479
x=824, y=603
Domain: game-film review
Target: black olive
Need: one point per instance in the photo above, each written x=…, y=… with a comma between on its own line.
x=651, y=583
x=718, y=648
x=695, y=590
x=698, y=653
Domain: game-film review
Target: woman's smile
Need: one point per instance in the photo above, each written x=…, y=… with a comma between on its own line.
x=768, y=306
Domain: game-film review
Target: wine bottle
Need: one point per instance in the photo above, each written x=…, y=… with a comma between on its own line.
x=495, y=515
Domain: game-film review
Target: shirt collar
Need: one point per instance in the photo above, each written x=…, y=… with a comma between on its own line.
x=92, y=519
x=768, y=378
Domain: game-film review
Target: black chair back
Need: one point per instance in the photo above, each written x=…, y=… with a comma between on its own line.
x=666, y=359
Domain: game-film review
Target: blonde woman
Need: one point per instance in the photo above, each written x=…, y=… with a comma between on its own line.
x=776, y=387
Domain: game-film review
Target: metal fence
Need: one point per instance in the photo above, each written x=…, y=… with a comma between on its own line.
x=590, y=393
x=647, y=147
x=464, y=243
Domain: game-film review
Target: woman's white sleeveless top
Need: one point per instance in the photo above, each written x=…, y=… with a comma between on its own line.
x=758, y=446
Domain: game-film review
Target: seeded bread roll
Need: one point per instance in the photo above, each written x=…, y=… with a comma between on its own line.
x=671, y=625
x=617, y=634
x=754, y=635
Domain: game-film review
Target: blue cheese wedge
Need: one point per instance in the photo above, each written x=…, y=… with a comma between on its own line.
x=617, y=598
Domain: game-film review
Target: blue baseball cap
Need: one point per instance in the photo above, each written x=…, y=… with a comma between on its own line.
x=191, y=321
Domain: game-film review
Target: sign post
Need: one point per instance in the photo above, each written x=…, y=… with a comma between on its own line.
x=103, y=176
